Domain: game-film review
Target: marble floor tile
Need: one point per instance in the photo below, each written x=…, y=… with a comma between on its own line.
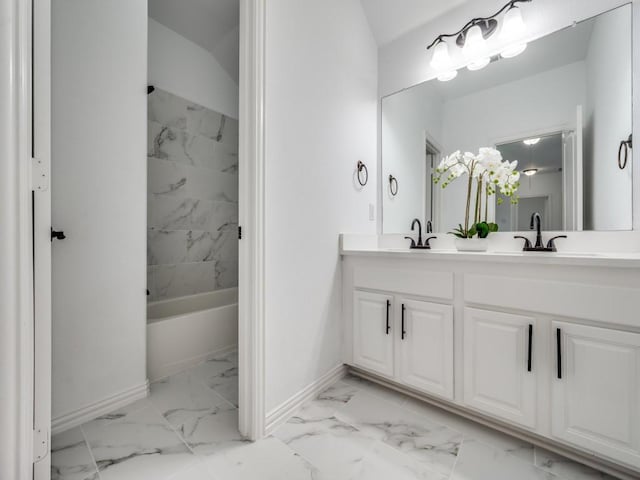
x=484, y=462
x=206, y=421
x=566, y=468
x=375, y=389
x=267, y=459
x=71, y=458
x=434, y=445
x=473, y=430
x=221, y=375
x=195, y=472
x=138, y=446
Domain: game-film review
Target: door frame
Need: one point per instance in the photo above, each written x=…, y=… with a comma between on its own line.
x=24, y=169
x=251, y=305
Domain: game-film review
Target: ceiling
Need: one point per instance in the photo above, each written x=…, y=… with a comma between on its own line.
x=545, y=156
x=390, y=19
x=211, y=24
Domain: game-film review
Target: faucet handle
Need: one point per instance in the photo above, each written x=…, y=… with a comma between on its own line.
x=551, y=244
x=426, y=242
x=413, y=242
x=527, y=242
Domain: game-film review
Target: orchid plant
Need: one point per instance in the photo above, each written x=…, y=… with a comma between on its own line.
x=491, y=174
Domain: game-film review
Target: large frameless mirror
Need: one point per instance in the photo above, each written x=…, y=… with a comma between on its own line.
x=562, y=109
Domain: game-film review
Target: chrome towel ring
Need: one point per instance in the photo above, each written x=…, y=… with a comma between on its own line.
x=625, y=146
x=393, y=185
x=362, y=168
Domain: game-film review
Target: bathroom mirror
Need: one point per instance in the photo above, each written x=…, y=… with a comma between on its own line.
x=561, y=109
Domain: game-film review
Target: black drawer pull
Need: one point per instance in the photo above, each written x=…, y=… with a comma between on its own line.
x=559, y=345
x=530, y=345
x=388, y=325
x=404, y=332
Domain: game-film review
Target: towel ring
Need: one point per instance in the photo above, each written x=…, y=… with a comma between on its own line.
x=625, y=145
x=393, y=185
x=362, y=167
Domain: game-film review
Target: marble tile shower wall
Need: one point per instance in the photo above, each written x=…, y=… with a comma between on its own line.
x=192, y=244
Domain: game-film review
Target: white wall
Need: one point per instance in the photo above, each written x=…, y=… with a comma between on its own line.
x=183, y=68
x=607, y=122
x=320, y=120
x=541, y=103
x=407, y=120
x=99, y=78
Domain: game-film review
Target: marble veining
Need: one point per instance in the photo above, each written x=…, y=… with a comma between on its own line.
x=192, y=198
x=354, y=430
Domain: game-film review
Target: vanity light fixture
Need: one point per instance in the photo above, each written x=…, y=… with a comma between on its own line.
x=513, y=29
x=441, y=62
x=529, y=172
x=531, y=141
x=472, y=39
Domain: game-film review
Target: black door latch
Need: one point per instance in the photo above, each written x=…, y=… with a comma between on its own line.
x=57, y=235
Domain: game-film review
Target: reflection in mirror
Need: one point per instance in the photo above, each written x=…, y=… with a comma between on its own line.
x=568, y=96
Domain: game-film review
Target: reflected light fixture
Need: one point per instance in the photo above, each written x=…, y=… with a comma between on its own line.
x=472, y=38
x=531, y=141
x=529, y=172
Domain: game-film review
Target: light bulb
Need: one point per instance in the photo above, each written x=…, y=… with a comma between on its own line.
x=529, y=172
x=446, y=76
x=479, y=64
x=441, y=59
x=513, y=29
x=474, y=42
x=531, y=141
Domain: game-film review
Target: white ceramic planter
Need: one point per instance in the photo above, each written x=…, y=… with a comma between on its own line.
x=472, y=244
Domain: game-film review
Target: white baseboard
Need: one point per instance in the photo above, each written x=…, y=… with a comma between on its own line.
x=90, y=412
x=158, y=372
x=281, y=414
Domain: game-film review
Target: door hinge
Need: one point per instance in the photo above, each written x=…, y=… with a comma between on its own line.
x=40, y=174
x=40, y=444
x=239, y=232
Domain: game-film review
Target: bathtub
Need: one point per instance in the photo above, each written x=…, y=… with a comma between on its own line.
x=185, y=331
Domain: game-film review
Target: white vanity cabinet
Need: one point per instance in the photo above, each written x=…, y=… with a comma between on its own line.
x=596, y=389
x=478, y=334
x=499, y=374
x=373, y=332
x=417, y=349
x=426, y=347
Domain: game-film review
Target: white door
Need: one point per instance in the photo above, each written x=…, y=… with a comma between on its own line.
x=425, y=339
x=596, y=390
x=499, y=371
x=373, y=332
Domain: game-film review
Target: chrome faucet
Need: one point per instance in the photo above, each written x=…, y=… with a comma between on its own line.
x=536, y=222
x=419, y=244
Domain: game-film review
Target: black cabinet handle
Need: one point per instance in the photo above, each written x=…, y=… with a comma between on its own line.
x=404, y=332
x=57, y=235
x=530, y=345
x=559, y=345
x=388, y=325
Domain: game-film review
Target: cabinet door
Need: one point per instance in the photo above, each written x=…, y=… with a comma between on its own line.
x=499, y=374
x=425, y=336
x=596, y=390
x=373, y=332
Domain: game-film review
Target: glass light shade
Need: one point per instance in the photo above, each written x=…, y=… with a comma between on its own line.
x=446, y=76
x=479, y=64
x=441, y=59
x=513, y=50
x=474, y=43
x=530, y=172
x=513, y=27
x=531, y=141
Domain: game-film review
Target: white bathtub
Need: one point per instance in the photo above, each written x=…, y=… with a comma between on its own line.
x=185, y=331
